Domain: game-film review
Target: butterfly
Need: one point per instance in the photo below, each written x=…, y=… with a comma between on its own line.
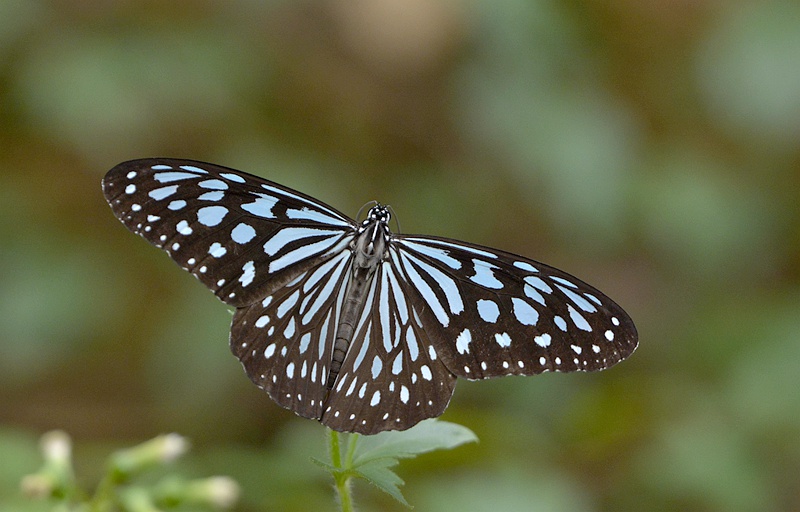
x=348, y=323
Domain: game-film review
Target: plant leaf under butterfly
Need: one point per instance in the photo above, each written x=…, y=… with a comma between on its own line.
x=373, y=458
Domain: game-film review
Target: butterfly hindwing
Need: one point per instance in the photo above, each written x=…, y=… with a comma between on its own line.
x=285, y=341
x=392, y=377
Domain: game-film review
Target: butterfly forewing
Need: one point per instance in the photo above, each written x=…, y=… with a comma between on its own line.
x=242, y=236
x=427, y=309
x=493, y=313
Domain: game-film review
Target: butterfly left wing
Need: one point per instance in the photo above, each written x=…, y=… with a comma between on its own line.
x=242, y=236
x=492, y=313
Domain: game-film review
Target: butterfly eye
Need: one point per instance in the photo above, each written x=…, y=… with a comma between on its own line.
x=350, y=325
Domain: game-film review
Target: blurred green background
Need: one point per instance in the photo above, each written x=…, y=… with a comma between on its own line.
x=649, y=147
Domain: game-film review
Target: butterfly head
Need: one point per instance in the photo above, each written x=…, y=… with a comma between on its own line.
x=378, y=213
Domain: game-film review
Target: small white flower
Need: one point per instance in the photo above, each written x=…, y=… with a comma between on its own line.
x=223, y=491
x=173, y=446
x=56, y=446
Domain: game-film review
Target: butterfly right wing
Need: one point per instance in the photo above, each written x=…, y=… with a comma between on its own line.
x=242, y=236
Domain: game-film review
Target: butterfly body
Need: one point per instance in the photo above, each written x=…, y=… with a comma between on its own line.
x=369, y=250
x=348, y=323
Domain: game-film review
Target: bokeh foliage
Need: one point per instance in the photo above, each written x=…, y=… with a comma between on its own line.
x=651, y=148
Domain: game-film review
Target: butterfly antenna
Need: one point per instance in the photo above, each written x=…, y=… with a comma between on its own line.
x=395, y=218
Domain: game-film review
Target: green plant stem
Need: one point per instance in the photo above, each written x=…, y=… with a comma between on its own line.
x=351, y=450
x=342, y=473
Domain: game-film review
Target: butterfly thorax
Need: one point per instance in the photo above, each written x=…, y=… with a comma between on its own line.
x=370, y=248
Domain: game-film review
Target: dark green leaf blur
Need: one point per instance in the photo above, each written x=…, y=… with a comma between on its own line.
x=651, y=148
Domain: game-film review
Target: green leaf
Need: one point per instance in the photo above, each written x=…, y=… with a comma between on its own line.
x=378, y=473
x=373, y=457
x=324, y=465
x=376, y=455
x=427, y=436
